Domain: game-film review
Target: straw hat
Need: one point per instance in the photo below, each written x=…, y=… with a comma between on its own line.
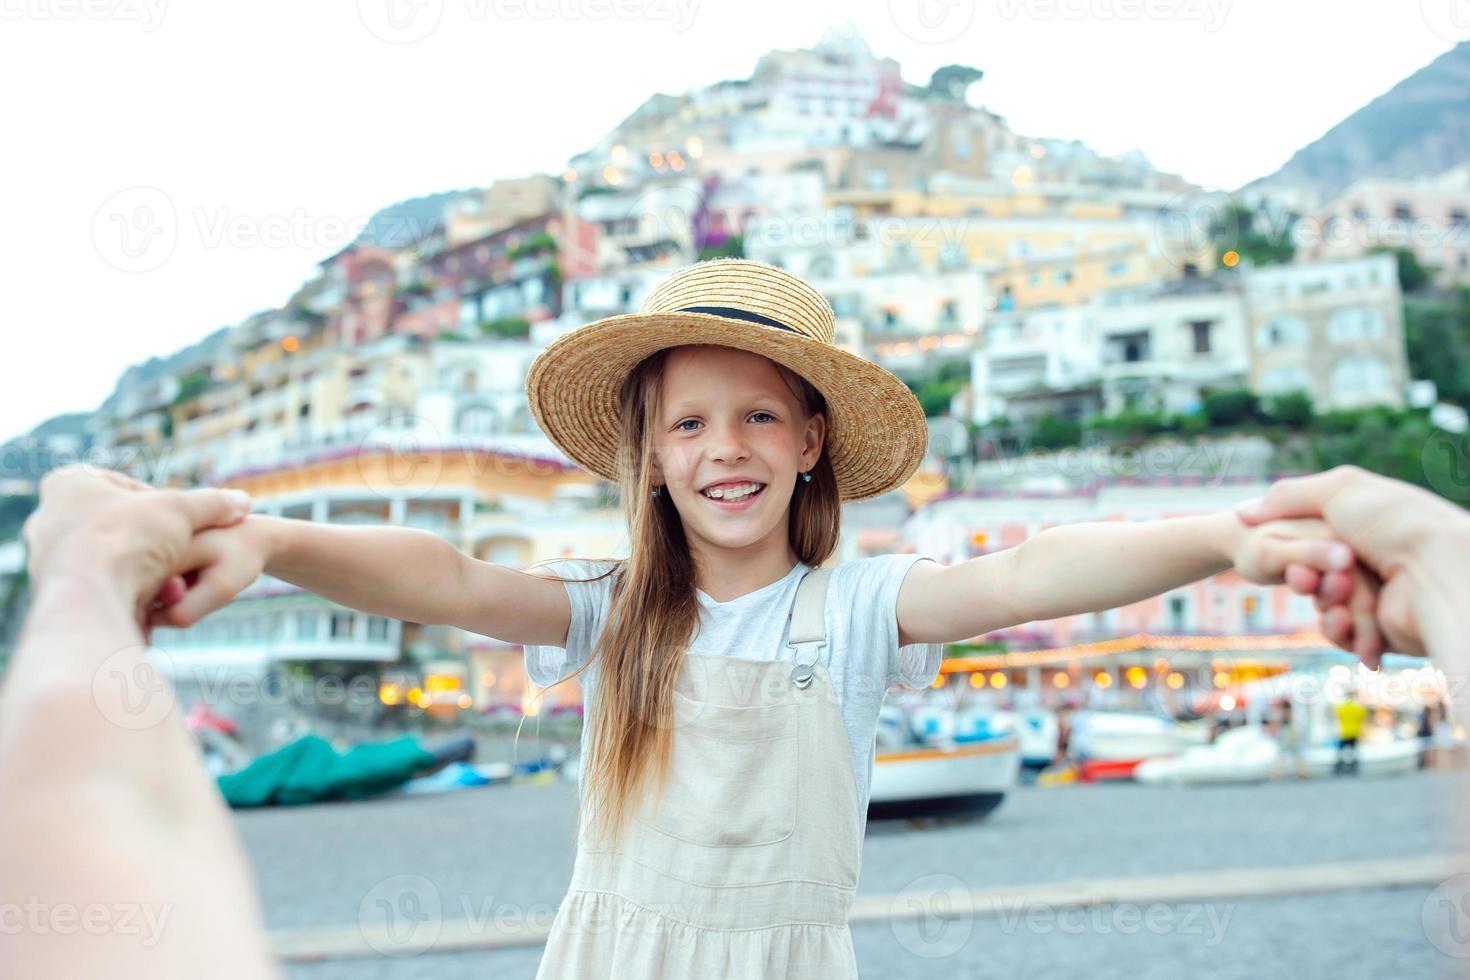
x=876, y=433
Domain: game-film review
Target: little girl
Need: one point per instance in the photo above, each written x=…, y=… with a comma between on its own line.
x=732, y=682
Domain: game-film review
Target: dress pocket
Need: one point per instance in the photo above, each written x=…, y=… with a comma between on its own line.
x=732, y=775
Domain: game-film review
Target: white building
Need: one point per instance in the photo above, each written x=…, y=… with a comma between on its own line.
x=1331, y=329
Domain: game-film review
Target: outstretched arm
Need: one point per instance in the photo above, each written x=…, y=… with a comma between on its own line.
x=117, y=855
x=1078, y=568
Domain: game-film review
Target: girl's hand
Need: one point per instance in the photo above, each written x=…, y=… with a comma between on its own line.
x=220, y=562
x=1305, y=555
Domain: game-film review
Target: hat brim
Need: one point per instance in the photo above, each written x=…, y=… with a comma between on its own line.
x=876, y=431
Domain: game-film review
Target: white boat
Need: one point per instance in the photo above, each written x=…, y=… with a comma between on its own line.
x=1374, y=758
x=918, y=771
x=1123, y=735
x=1239, y=755
x=1037, y=730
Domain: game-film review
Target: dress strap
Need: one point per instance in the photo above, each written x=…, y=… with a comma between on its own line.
x=809, y=622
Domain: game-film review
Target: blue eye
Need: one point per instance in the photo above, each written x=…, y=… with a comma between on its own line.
x=766, y=414
x=680, y=426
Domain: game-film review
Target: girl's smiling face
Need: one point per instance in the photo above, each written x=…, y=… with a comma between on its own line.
x=728, y=417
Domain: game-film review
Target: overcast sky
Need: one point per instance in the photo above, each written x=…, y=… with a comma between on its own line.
x=248, y=141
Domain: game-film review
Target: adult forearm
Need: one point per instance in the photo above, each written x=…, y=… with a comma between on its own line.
x=399, y=572
x=1079, y=568
x=106, y=810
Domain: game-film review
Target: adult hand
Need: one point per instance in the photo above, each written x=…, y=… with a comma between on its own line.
x=1282, y=551
x=129, y=538
x=1413, y=541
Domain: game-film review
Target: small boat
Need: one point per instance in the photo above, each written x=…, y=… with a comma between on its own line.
x=931, y=762
x=969, y=778
x=1240, y=755
x=1121, y=736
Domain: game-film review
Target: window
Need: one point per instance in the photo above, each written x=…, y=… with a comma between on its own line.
x=342, y=625
x=1458, y=217
x=306, y=625
x=1283, y=380
x=1355, y=323
x=1283, y=331
x=1201, y=335
x=1357, y=377
x=1061, y=277
x=1118, y=268
x=1128, y=348
x=1250, y=612
x=377, y=628
x=1178, y=619
x=1402, y=211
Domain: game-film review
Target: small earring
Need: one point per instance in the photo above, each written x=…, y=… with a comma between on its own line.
x=655, y=491
x=807, y=477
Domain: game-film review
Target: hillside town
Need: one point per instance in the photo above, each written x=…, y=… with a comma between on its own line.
x=1024, y=287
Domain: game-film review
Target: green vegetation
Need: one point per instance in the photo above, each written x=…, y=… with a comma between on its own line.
x=1401, y=443
x=731, y=248
x=539, y=242
x=1237, y=229
x=1413, y=277
x=506, y=326
x=1437, y=334
x=191, y=386
x=937, y=392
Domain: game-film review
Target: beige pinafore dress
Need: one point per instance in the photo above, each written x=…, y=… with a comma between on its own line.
x=745, y=868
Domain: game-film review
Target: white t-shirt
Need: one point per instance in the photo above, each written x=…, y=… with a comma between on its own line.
x=862, y=655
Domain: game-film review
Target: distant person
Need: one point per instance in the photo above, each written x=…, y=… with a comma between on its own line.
x=1350, y=714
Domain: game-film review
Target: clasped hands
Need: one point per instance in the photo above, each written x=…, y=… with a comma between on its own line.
x=1358, y=543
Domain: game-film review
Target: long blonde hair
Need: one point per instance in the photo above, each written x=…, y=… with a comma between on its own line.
x=654, y=611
